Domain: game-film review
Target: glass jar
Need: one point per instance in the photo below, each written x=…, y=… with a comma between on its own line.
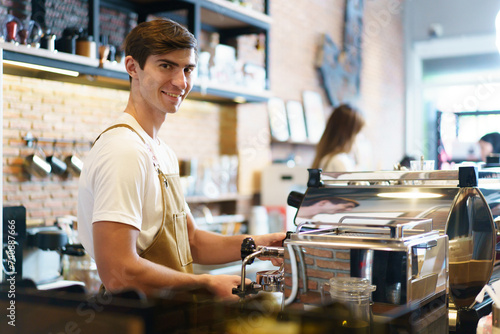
x=355, y=294
x=79, y=266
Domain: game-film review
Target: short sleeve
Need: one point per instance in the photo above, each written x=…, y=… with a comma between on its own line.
x=119, y=180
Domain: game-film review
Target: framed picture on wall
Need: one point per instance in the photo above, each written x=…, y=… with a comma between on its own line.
x=315, y=115
x=277, y=119
x=296, y=121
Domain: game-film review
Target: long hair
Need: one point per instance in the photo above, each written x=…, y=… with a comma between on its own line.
x=344, y=124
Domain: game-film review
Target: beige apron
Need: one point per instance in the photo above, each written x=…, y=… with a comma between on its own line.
x=170, y=246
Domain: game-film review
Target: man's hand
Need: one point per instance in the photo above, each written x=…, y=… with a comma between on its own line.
x=273, y=240
x=222, y=285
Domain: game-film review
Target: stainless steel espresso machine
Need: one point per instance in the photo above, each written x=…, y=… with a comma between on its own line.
x=418, y=237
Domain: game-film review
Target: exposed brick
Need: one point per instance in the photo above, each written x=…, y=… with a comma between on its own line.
x=319, y=273
x=20, y=125
x=12, y=169
x=10, y=187
x=31, y=98
x=311, y=297
x=52, y=203
x=42, y=213
x=34, y=205
x=318, y=252
x=20, y=106
x=342, y=274
x=15, y=161
x=37, y=196
x=340, y=265
x=21, y=89
x=342, y=255
x=32, y=186
x=52, y=100
x=58, y=194
x=312, y=285
x=11, y=198
x=16, y=178
x=8, y=113
x=62, y=212
x=32, y=116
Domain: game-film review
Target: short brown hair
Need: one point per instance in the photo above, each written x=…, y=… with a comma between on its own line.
x=157, y=37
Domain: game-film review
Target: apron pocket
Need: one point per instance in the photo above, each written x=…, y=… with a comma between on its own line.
x=181, y=236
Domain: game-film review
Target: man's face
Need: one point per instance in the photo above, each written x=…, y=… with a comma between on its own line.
x=166, y=79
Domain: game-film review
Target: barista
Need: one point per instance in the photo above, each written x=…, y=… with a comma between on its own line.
x=133, y=218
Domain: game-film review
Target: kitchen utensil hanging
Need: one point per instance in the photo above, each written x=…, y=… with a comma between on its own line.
x=74, y=163
x=59, y=167
x=35, y=164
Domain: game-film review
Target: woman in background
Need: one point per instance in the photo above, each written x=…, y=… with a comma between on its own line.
x=332, y=151
x=489, y=143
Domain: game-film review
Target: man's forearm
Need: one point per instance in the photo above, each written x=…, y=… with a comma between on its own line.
x=212, y=248
x=147, y=276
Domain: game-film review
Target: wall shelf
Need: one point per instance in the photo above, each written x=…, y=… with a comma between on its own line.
x=56, y=61
x=112, y=75
x=216, y=15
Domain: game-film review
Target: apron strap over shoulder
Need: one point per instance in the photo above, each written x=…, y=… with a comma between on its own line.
x=121, y=125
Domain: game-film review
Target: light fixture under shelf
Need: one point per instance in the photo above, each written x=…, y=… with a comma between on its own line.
x=42, y=68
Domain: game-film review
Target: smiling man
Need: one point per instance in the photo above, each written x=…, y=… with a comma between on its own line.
x=133, y=218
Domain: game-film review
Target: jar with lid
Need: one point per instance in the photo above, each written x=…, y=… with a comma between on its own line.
x=355, y=294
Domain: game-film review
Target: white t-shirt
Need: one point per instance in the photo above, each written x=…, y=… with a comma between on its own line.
x=342, y=162
x=119, y=183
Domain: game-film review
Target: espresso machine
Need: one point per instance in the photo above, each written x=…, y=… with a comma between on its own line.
x=424, y=239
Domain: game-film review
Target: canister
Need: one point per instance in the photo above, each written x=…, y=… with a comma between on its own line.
x=86, y=46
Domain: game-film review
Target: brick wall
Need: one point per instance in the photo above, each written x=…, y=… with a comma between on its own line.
x=55, y=110
x=321, y=264
x=205, y=130
x=382, y=82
